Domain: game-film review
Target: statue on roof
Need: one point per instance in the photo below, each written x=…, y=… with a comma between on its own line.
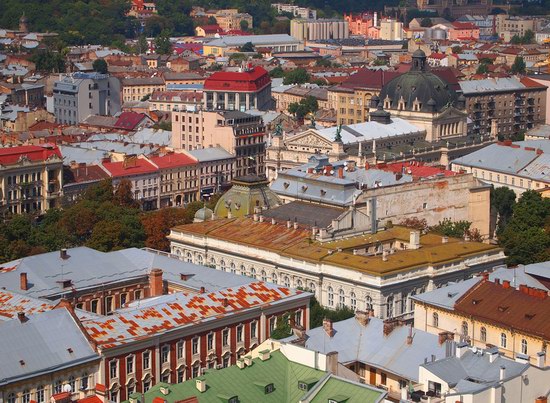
x=338, y=137
x=278, y=129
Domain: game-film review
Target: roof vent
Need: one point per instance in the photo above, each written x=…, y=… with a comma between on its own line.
x=265, y=355
x=21, y=362
x=164, y=390
x=200, y=383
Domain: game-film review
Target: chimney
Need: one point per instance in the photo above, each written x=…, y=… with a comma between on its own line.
x=314, y=230
x=248, y=360
x=273, y=222
x=505, y=283
x=485, y=275
x=295, y=225
x=225, y=303
x=22, y=317
x=261, y=218
x=414, y=240
x=155, y=282
x=289, y=224
x=410, y=336
x=255, y=217
x=240, y=363
x=371, y=313
x=332, y=362
x=63, y=254
x=327, y=326
x=200, y=384
x=444, y=239
x=362, y=317
x=502, y=373
x=202, y=290
x=541, y=359
x=24, y=285
x=385, y=255
x=341, y=172
x=444, y=336
x=461, y=348
x=389, y=325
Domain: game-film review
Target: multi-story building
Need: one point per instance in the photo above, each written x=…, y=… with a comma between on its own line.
x=31, y=179
x=196, y=318
x=485, y=23
x=216, y=169
x=373, y=270
x=456, y=8
x=241, y=134
x=360, y=24
x=80, y=95
x=249, y=88
x=24, y=94
x=135, y=89
x=286, y=95
x=175, y=100
x=322, y=29
x=391, y=30
x=179, y=179
x=519, y=166
x=297, y=11
x=228, y=44
x=507, y=26
x=230, y=19
x=504, y=106
x=503, y=308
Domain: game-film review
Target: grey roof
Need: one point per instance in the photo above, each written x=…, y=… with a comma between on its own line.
x=275, y=39
x=210, y=154
x=141, y=136
x=473, y=372
x=142, y=81
x=81, y=155
x=305, y=213
x=541, y=269
x=42, y=343
x=498, y=84
x=369, y=345
x=88, y=268
x=446, y=297
x=522, y=275
x=371, y=130
x=542, y=131
x=118, y=147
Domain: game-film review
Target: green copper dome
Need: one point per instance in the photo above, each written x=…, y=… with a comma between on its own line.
x=431, y=93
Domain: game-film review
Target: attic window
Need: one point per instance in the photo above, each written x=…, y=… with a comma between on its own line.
x=286, y=185
x=529, y=316
x=502, y=308
x=304, y=188
x=476, y=301
x=269, y=388
x=66, y=283
x=21, y=362
x=70, y=350
x=323, y=192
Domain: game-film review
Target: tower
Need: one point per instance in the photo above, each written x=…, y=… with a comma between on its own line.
x=23, y=24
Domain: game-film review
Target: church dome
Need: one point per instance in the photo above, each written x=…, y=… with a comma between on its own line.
x=418, y=89
x=204, y=214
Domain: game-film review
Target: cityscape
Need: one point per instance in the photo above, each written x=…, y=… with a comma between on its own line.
x=243, y=202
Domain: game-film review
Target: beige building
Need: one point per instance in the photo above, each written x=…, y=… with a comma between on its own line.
x=230, y=19
x=175, y=100
x=507, y=26
x=135, y=89
x=391, y=30
x=179, y=179
x=285, y=96
x=31, y=179
x=322, y=29
x=21, y=118
x=239, y=133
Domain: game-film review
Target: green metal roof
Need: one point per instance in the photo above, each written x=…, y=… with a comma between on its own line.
x=342, y=391
x=247, y=384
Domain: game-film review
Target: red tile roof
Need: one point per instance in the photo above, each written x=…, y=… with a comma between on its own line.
x=211, y=29
x=137, y=167
x=528, y=82
x=464, y=25
x=11, y=155
x=43, y=125
x=366, y=78
x=416, y=169
x=252, y=80
x=129, y=120
x=173, y=160
x=84, y=173
x=437, y=56
x=525, y=310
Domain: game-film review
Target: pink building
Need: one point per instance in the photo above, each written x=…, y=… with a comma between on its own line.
x=360, y=24
x=463, y=31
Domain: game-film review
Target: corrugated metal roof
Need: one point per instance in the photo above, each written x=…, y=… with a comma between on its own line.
x=371, y=130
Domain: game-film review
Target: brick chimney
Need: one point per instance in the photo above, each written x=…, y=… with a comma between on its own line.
x=155, y=282
x=22, y=317
x=444, y=336
x=327, y=326
x=389, y=325
x=362, y=317
x=24, y=285
x=506, y=283
x=341, y=172
x=410, y=336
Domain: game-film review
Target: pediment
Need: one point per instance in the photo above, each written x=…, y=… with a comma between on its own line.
x=309, y=138
x=451, y=112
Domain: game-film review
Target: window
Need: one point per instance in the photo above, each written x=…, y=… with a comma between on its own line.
x=330, y=293
x=503, y=340
x=225, y=337
x=226, y=359
x=274, y=278
x=179, y=349
x=264, y=276
x=253, y=330
x=146, y=359
x=389, y=307
x=269, y=388
x=341, y=298
x=232, y=268
x=12, y=398
x=435, y=319
x=222, y=265
x=93, y=306
x=383, y=378
x=524, y=346
x=286, y=281
x=181, y=374
x=113, y=369
x=464, y=329
x=239, y=333
x=130, y=364
x=109, y=305
x=72, y=383
x=435, y=388
x=483, y=334
x=353, y=301
x=210, y=341
x=57, y=386
x=40, y=394
x=165, y=377
x=368, y=302
x=195, y=345
x=165, y=354
x=272, y=324
x=26, y=396
x=123, y=298
x=131, y=388
x=253, y=272
x=146, y=385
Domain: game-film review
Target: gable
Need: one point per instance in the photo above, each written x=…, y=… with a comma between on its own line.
x=309, y=138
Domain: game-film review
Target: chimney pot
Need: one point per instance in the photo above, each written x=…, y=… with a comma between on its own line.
x=203, y=290
x=273, y=222
x=155, y=282
x=225, y=303
x=506, y=283
x=23, y=281
x=22, y=317
x=63, y=254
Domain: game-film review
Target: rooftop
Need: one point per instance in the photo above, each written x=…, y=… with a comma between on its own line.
x=13, y=155
x=262, y=40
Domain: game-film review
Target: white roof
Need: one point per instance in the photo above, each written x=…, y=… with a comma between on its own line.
x=371, y=131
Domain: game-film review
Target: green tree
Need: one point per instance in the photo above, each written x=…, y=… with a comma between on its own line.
x=519, y=66
x=317, y=313
x=100, y=65
x=456, y=49
x=503, y=200
x=212, y=21
x=528, y=37
x=482, y=68
x=302, y=108
x=142, y=45
x=163, y=46
x=426, y=22
x=515, y=40
x=455, y=229
x=277, y=72
x=238, y=57
x=296, y=76
x=244, y=25
x=323, y=63
x=248, y=47
x=282, y=328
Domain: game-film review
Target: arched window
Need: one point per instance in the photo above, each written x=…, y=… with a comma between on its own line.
x=483, y=334
x=200, y=259
x=368, y=303
x=72, y=383
x=435, y=319
x=464, y=328
x=26, y=396
x=287, y=281
x=503, y=340
x=213, y=262
x=274, y=278
x=264, y=276
x=299, y=284
x=312, y=288
x=524, y=346
x=189, y=257
x=411, y=302
x=389, y=307
x=353, y=301
x=41, y=394
x=233, y=268
x=252, y=272
x=222, y=265
x=330, y=294
x=243, y=270
x=341, y=298
x=11, y=398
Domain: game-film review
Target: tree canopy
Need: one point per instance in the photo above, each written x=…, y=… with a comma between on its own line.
x=100, y=65
x=519, y=66
x=296, y=76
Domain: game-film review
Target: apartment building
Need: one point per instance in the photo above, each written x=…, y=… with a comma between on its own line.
x=297, y=11
x=31, y=179
x=216, y=169
x=507, y=26
x=277, y=43
x=80, y=95
x=504, y=106
x=391, y=30
x=179, y=179
x=239, y=133
x=135, y=89
x=248, y=88
x=230, y=19
x=175, y=100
